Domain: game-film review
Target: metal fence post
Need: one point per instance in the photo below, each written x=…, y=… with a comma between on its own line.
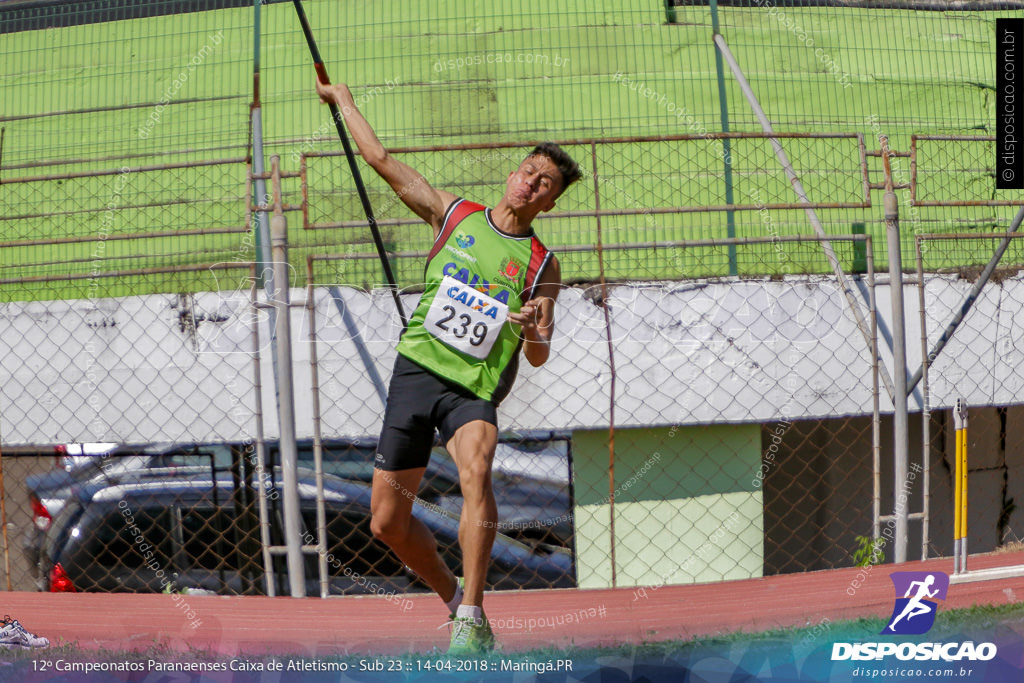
x=285, y=392
x=730, y=216
x=901, y=432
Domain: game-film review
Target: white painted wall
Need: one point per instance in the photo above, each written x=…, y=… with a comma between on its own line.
x=127, y=370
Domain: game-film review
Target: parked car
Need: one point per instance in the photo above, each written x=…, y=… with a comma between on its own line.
x=529, y=509
x=138, y=535
x=47, y=493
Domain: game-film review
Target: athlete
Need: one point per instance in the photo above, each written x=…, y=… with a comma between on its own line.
x=490, y=290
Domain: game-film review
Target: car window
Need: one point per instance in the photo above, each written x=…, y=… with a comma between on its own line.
x=206, y=538
x=345, y=461
x=125, y=539
x=216, y=456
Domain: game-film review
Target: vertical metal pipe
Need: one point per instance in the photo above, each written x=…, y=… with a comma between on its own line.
x=961, y=419
x=958, y=430
x=926, y=442
x=318, y=449
x=261, y=456
x=285, y=392
x=876, y=413
x=262, y=228
x=723, y=107
x=611, y=364
x=262, y=277
x=901, y=433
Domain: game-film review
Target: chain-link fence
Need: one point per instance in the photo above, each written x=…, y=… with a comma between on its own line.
x=637, y=190
x=750, y=395
x=718, y=383
x=969, y=327
x=718, y=407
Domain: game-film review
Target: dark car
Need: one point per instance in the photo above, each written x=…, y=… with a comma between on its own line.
x=529, y=509
x=139, y=536
x=48, y=492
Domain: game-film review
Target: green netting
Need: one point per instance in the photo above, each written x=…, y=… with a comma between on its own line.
x=98, y=86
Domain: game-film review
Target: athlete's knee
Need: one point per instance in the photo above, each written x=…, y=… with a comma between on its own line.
x=475, y=479
x=389, y=527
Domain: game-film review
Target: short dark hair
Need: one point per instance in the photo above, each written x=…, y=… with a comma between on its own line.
x=566, y=166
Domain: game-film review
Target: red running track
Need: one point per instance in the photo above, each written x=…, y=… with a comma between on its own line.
x=233, y=626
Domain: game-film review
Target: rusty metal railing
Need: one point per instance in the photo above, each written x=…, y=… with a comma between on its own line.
x=980, y=171
x=595, y=212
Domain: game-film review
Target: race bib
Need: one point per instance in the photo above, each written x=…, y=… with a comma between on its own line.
x=464, y=318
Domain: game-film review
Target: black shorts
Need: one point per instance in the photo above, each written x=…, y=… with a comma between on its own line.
x=420, y=402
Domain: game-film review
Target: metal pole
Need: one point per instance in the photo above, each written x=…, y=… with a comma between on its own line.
x=730, y=216
x=901, y=433
x=926, y=496
x=262, y=228
x=958, y=427
x=318, y=447
x=876, y=413
x=263, y=276
x=798, y=187
x=286, y=399
x=963, y=492
x=261, y=458
x=960, y=489
x=611, y=386
x=3, y=521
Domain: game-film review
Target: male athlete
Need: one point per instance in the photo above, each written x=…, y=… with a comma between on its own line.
x=490, y=291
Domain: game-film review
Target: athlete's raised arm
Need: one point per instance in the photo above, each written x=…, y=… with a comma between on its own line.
x=411, y=187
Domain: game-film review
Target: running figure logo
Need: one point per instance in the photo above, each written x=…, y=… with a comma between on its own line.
x=914, y=613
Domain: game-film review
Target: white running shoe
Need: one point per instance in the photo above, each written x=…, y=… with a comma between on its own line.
x=13, y=634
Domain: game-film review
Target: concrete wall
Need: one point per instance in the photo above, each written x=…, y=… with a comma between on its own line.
x=687, y=505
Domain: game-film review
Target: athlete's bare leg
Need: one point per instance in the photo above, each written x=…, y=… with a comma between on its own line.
x=472, y=447
x=392, y=522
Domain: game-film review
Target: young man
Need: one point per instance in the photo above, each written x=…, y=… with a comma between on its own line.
x=490, y=291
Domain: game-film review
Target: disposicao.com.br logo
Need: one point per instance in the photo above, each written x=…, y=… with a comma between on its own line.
x=913, y=614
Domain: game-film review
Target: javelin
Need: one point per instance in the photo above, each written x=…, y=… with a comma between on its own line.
x=321, y=74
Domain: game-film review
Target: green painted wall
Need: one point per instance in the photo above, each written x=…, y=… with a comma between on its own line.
x=688, y=507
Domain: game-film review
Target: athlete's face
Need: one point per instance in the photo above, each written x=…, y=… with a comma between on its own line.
x=534, y=185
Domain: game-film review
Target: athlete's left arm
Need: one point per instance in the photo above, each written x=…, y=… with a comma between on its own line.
x=537, y=316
